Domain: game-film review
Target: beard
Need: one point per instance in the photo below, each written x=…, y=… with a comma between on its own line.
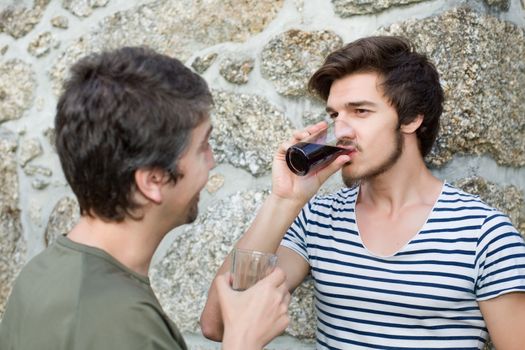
x=392, y=158
x=193, y=209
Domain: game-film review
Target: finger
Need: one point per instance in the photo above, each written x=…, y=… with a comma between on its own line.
x=333, y=167
x=287, y=299
x=223, y=283
x=299, y=135
x=275, y=278
x=285, y=145
x=312, y=129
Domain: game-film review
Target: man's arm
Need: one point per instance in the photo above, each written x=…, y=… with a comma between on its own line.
x=505, y=319
x=289, y=194
x=265, y=235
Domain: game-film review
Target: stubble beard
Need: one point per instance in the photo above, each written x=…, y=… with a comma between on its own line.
x=193, y=210
x=350, y=181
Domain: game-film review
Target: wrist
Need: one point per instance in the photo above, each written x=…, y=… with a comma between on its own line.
x=238, y=341
x=287, y=204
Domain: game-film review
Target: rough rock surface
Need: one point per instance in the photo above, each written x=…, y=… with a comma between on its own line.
x=182, y=278
x=290, y=58
x=347, y=8
x=42, y=44
x=484, y=111
x=202, y=63
x=175, y=28
x=83, y=8
x=64, y=216
x=236, y=70
x=508, y=199
x=12, y=245
x=247, y=131
x=16, y=89
x=17, y=20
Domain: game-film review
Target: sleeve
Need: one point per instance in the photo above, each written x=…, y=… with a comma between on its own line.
x=142, y=326
x=295, y=237
x=500, y=258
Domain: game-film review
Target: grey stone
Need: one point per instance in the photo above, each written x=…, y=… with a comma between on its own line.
x=60, y=22
x=175, y=28
x=315, y=115
x=30, y=149
x=182, y=278
x=289, y=59
x=16, y=89
x=302, y=311
x=83, y=8
x=32, y=170
x=42, y=44
x=247, y=131
x=3, y=49
x=500, y=4
x=508, y=199
x=347, y=8
x=64, y=216
x=484, y=111
x=18, y=20
x=215, y=182
x=49, y=134
x=202, y=63
x=236, y=70
x=12, y=245
x=39, y=183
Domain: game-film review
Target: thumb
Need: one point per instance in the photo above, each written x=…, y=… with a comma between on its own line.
x=275, y=278
x=223, y=283
x=333, y=167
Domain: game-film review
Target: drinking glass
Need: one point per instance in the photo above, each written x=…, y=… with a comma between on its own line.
x=249, y=266
x=317, y=150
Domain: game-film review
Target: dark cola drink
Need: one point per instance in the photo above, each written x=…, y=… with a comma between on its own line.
x=304, y=157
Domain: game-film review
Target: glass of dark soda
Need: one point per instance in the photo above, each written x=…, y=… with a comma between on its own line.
x=315, y=151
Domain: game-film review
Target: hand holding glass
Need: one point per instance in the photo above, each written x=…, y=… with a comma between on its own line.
x=249, y=266
x=317, y=150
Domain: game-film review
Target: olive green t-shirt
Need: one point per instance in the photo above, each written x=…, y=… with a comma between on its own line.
x=75, y=297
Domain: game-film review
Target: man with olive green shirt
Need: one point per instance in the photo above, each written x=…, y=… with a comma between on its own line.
x=132, y=129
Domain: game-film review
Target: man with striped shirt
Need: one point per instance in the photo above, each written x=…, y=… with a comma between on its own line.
x=399, y=258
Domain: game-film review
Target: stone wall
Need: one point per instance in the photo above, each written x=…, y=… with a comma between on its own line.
x=256, y=56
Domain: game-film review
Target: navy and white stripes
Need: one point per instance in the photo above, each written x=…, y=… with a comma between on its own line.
x=424, y=296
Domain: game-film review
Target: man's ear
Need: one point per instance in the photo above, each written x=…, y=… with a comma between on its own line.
x=149, y=183
x=411, y=127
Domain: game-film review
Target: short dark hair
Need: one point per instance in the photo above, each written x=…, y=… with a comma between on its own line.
x=122, y=110
x=409, y=80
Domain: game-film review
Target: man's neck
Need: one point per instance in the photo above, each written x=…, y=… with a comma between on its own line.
x=130, y=242
x=409, y=182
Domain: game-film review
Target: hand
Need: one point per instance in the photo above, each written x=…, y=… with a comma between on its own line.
x=287, y=185
x=254, y=317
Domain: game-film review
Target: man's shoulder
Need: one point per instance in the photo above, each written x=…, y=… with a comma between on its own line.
x=454, y=197
x=342, y=196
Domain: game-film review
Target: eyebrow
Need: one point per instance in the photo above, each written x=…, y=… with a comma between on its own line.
x=207, y=136
x=354, y=104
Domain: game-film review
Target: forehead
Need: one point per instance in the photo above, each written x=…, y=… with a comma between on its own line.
x=201, y=131
x=363, y=86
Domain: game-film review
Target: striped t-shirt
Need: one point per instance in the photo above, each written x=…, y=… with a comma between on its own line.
x=424, y=296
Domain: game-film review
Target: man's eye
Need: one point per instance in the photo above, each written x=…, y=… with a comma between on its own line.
x=361, y=111
x=333, y=115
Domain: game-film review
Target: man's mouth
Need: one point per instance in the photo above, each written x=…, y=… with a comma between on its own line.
x=350, y=146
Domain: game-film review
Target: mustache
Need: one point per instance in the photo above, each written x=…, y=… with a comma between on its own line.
x=346, y=143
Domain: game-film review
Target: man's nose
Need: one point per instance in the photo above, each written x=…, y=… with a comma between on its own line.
x=343, y=129
x=211, y=161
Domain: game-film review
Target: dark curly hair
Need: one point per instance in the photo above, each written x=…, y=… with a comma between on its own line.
x=409, y=80
x=122, y=110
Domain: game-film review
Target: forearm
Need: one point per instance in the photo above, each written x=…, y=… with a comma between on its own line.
x=270, y=224
x=264, y=234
